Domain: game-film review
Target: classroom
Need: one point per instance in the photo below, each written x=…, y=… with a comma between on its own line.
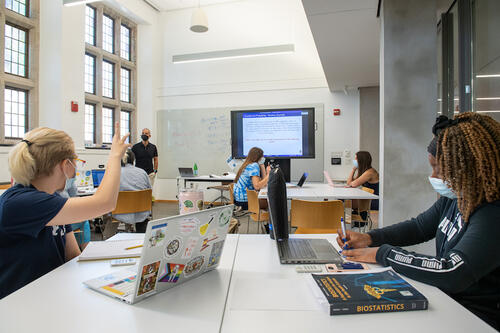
x=250, y=165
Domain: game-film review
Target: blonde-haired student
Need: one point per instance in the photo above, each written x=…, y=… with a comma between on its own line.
x=35, y=231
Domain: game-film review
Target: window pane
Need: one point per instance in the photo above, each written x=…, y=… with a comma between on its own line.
x=108, y=78
x=107, y=125
x=125, y=42
x=90, y=25
x=125, y=85
x=89, y=74
x=89, y=123
x=15, y=112
x=125, y=124
x=18, y=6
x=108, y=35
x=15, y=52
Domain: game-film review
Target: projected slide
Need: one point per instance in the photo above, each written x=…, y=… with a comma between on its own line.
x=277, y=133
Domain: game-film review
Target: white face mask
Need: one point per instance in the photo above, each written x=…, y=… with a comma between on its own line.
x=262, y=160
x=70, y=181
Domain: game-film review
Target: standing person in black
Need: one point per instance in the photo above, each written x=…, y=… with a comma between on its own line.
x=146, y=155
x=465, y=220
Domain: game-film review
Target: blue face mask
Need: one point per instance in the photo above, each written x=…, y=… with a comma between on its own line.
x=355, y=163
x=442, y=188
x=70, y=181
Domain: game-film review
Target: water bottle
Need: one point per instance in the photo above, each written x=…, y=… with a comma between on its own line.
x=271, y=231
x=195, y=169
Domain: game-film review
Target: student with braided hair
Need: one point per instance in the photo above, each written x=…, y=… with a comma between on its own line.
x=465, y=220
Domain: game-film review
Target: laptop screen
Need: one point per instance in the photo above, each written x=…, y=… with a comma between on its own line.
x=97, y=175
x=278, y=208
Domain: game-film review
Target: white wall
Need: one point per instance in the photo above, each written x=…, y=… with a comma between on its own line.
x=267, y=80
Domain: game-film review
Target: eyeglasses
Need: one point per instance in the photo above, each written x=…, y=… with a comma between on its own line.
x=80, y=160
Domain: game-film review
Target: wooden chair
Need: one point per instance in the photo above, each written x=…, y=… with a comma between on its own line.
x=128, y=202
x=362, y=218
x=4, y=186
x=316, y=217
x=257, y=214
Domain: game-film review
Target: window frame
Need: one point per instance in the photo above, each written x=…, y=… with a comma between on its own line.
x=27, y=12
x=113, y=120
x=26, y=116
x=26, y=54
x=118, y=62
x=113, y=36
x=113, y=79
x=94, y=74
x=94, y=121
x=95, y=25
x=30, y=23
x=129, y=50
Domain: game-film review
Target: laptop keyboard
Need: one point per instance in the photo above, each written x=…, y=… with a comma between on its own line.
x=123, y=287
x=298, y=248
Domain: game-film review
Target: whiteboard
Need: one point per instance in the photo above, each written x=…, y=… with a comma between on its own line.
x=203, y=136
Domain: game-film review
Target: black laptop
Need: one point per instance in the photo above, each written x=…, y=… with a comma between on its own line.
x=186, y=172
x=293, y=250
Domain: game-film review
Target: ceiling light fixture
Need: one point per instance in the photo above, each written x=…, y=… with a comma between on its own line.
x=487, y=98
x=68, y=3
x=199, y=22
x=488, y=75
x=234, y=53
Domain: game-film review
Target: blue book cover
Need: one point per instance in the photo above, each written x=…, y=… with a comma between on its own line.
x=369, y=292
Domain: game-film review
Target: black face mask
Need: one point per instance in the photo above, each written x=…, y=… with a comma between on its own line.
x=144, y=137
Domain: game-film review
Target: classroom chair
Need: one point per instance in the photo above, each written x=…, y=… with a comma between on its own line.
x=221, y=197
x=362, y=218
x=316, y=217
x=128, y=202
x=257, y=214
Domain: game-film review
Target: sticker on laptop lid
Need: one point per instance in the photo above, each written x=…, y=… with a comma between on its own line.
x=225, y=217
x=188, y=225
x=215, y=254
x=190, y=245
x=204, y=227
x=194, y=266
x=173, y=247
x=171, y=273
x=157, y=235
x=148, y=278
x=206, y=242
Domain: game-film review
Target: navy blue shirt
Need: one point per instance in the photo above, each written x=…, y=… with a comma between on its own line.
x=28, y=248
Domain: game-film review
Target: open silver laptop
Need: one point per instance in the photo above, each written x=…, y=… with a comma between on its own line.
x=175, y=249
x=186, y=172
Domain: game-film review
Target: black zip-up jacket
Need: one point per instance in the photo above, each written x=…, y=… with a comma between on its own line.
x=467, y=261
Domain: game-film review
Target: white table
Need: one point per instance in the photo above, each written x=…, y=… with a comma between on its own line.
x=321, y=191
x=265, y=296
x=59, y=302
x=204, y=179
x=249, y=292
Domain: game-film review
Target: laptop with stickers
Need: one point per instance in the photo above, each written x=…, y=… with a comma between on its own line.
x=175, y=249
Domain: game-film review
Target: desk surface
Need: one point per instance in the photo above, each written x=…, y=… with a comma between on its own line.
x=320, y=191
x=265, y=296
x=208, y=178
x=249, y=292
x=59, y=302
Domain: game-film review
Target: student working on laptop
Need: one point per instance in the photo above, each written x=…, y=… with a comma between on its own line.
x=252, y=175
x=465, y=221
x=35, y=231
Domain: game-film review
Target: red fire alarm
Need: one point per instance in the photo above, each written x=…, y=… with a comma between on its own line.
x=74, y=106
x=336, y=112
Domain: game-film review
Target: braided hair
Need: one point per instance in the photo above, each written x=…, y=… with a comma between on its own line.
x=468, y=155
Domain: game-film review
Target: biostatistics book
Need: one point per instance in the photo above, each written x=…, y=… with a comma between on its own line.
x=367, y=292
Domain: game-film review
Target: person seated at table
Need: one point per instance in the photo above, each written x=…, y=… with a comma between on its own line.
x=465, y=220
x=35, y=231
x=363, y=174
x=133, y=179
x=81, y=230
x=252, y=175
